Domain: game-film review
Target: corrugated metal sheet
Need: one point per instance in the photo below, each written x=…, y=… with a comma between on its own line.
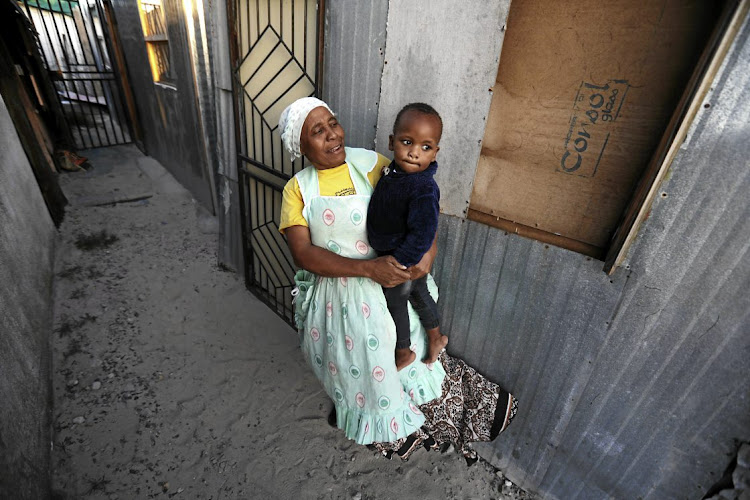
x=633, y=385
x=225, y=160
x=355, y=46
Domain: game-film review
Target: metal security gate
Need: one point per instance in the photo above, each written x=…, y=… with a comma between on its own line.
x=277, y=58
x=74, y=39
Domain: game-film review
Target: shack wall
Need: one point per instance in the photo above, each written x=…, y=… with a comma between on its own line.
x=170, y=114
x=449, y=61
x=355, y=36
x=26, y=269
x=632, y=385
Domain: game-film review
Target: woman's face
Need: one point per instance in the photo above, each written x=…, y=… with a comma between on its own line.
x=322, y=139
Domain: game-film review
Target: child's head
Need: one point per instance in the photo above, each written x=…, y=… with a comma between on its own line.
x=416, y=137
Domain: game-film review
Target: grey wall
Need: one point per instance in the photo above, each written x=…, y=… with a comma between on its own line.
x=26, y=267
x=169, y=117
x=354, y=54
x=446, y=56
x=635, y=385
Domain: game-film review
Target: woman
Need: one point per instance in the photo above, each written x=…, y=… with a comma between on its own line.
x=345, y=329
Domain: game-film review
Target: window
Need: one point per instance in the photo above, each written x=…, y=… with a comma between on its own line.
x=157, y=42
x=587, y=101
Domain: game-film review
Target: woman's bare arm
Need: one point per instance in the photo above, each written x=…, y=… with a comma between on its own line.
x=385, y=271
x=425, y=264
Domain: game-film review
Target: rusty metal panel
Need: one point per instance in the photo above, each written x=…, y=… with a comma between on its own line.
x=631, y=385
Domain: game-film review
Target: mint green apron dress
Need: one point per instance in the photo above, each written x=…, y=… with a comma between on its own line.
x=346, y=331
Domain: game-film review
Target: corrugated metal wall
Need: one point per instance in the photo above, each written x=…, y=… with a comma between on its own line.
x=354, y=51
x=168, y=114
x=225, y=160
x=633, y=385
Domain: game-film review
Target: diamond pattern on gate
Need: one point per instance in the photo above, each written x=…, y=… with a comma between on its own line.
x=271, y=78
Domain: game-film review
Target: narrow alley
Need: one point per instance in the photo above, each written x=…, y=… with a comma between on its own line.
x=172, y=380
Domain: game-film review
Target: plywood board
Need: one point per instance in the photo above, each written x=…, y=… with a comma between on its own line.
x=583, y=95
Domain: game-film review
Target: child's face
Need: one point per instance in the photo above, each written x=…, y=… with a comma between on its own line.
x=415, y=143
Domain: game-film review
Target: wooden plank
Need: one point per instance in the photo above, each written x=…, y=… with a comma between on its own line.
x=536, y=234
x=21, y=112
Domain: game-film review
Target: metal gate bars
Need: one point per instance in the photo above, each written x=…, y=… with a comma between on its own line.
x=277, y=58
x=74, y=40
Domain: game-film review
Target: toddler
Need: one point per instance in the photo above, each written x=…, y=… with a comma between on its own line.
x=402, y=220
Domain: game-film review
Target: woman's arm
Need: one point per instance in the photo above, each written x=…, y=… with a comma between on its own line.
x=423, y=266
x=385, y=271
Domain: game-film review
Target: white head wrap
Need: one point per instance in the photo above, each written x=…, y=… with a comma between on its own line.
x=292, y=119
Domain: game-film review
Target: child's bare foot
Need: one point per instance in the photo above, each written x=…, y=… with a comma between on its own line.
x=436, y=343
x=404, y=357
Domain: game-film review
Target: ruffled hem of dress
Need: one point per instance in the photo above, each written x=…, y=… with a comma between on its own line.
x=365, y=428
x=425, y=386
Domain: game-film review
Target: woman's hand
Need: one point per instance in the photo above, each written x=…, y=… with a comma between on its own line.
x=387, y=272
x=423, y=267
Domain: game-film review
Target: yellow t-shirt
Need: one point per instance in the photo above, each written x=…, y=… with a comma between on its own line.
x=332, y=182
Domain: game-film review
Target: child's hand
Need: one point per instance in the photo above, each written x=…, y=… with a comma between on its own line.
x=425, y=264
x=421, y=268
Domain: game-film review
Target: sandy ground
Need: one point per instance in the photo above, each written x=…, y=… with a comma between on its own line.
x=172, y=380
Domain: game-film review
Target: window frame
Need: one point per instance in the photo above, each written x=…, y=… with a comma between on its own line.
x=156, y=41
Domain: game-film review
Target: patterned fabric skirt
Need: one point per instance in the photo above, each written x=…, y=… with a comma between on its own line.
x=470, y=409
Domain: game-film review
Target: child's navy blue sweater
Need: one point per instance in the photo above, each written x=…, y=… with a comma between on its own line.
x=403, y=214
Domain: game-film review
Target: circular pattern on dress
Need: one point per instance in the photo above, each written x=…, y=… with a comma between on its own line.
x=318, y=361
x=365, y=310
x=315, y=334
x=360, y=398
x=328, y=217
x=407, y=419
x=384, y=403
x=354, y=371
x=339, y=395
x=332, y=368
x=349, y=343
x=394, y=425
x=372, y=342
x=334, y=247
x=378, y=374
x=362, y=247
x=356, y=217
x=413, y=372
x=329, y=339
x=329, y=309
x=344, y=311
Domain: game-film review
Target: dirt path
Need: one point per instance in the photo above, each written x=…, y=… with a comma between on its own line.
x=171, y=380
